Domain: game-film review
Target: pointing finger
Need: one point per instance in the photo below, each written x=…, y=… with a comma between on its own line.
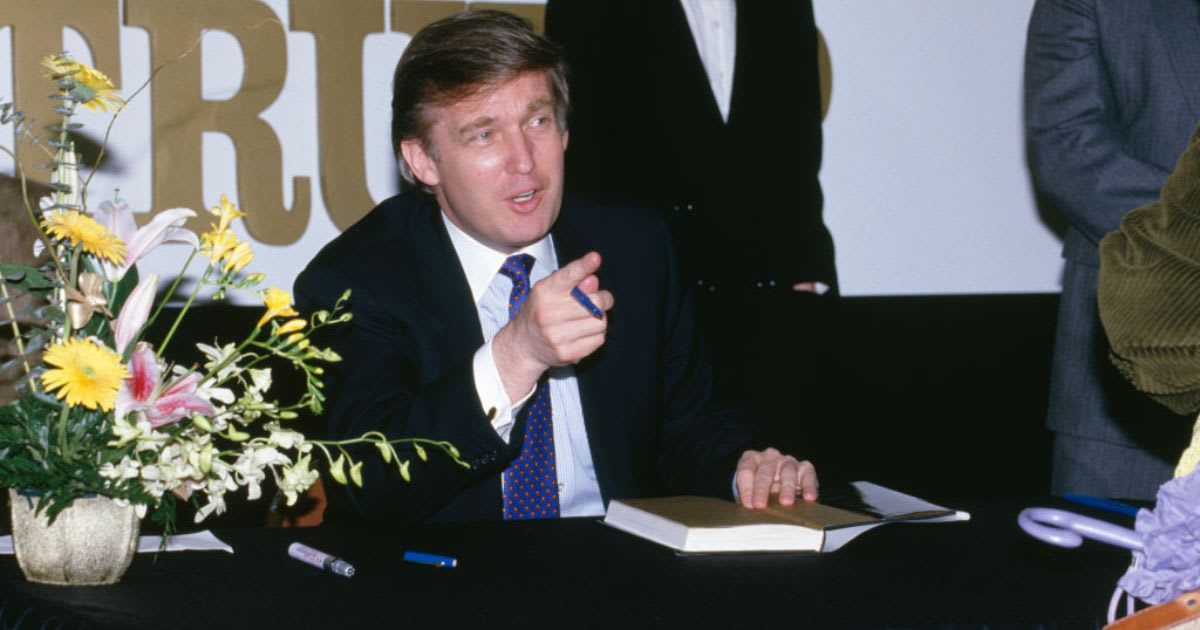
x=575, y=271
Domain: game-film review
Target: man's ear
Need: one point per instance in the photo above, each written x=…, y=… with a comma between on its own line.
x=423, y=166
x=566, y=135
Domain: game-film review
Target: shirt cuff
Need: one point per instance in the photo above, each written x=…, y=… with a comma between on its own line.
x=492, y=396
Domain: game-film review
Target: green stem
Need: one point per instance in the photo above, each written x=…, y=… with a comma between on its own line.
x=29, y=210
x=74, y=277
x=171, y=290
x=63, y=445
x=12, y=316
x=179, y=318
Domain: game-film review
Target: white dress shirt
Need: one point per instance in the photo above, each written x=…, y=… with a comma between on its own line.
x=578, y=491
x=714, y=27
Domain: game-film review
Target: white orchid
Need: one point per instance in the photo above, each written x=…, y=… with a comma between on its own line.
x=297, y=478
x=286, y=439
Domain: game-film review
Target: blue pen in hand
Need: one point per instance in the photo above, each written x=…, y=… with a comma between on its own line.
x=582, y=298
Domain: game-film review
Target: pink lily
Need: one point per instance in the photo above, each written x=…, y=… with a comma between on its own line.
x=143, y=393
x=165, y=227
x=134, y=313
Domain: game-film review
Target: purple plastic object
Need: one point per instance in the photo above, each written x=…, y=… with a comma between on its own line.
x=1068, y=529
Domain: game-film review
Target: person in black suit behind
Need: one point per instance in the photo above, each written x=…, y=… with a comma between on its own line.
x=709, y=111
x=479, y=123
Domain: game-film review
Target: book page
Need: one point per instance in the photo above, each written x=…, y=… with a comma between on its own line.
x=881, y=503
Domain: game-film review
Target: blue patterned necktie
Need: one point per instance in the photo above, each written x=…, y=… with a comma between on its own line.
x=531, y=481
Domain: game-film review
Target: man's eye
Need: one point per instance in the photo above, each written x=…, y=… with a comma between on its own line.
x=483, y=136
x=540, y=121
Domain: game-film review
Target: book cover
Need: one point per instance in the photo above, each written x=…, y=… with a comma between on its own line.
x=706, y=525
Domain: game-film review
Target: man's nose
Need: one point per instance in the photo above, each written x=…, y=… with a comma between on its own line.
x=520, y=154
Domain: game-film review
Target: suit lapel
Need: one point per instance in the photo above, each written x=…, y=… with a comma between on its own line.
x=442, y=285
x=676, y=35
x=599, y=376
x=1179, y=23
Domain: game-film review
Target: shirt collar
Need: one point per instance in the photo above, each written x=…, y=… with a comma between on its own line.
x=481, y=263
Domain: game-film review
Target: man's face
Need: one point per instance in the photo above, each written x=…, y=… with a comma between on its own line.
x=498, y=175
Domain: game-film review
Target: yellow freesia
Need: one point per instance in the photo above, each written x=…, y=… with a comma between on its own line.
x=226, y=250
x=291, y=326
x=278, y=303
x=226, y=212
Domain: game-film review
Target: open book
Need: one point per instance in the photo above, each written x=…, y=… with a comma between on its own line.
x=706, y=525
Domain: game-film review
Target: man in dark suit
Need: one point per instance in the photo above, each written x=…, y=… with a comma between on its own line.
x=465, y=328
x=1112, y=92
x=709, y=111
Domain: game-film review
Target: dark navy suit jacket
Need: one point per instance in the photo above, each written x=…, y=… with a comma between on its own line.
x=407, y=365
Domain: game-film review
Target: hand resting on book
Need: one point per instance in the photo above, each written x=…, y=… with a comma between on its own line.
x=761, y=474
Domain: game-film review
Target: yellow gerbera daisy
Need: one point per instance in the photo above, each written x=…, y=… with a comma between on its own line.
x=88, y=86
x=78, y=228
x=86, y=373
x=279, y=304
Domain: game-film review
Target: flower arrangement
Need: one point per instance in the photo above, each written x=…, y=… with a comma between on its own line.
x=102, y=411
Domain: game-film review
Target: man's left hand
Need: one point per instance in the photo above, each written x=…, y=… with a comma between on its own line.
x=763, y=473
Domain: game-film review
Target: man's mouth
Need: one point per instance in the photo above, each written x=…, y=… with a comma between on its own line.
x=525, y=196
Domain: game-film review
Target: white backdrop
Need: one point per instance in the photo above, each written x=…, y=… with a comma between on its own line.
x=925, y=177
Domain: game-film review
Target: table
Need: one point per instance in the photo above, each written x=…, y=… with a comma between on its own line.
x=583, y=574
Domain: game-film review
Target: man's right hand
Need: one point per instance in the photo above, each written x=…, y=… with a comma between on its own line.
x=552, y=329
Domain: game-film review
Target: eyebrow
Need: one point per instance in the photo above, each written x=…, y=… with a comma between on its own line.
x=482, y=121
x=537, y=104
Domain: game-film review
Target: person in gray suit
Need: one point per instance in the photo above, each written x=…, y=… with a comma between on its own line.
x=1112, y=93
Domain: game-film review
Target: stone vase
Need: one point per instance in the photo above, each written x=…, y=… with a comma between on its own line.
x=91, y=542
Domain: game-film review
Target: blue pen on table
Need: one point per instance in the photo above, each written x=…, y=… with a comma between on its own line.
x=582, y=298
x=1102, y=503
x=430, y=559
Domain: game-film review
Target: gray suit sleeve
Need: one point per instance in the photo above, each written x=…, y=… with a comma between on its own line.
x=1076, y=144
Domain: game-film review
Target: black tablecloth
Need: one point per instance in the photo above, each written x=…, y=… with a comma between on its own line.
x=576, y=572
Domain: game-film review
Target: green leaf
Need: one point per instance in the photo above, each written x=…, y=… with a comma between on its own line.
x=126, y=286
x=26, y=277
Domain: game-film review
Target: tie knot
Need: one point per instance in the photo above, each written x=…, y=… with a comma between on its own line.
x=517, y=267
